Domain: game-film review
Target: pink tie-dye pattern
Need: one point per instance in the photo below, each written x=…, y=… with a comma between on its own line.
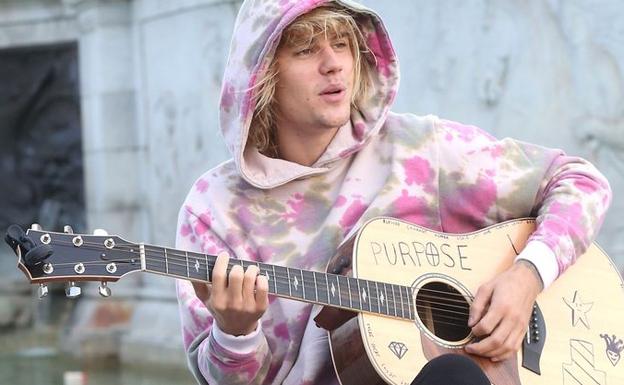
x=410, y=208
x=585, y=186
x=227, y=96
x=417, y=171
x=297, y=205
x=358, y=130
x=203, y=224
x=383, y=62
x=185, y=230
x=466, y=209
x=281, y=331
x=202, y=185
x=351, y=215
x=340, y=201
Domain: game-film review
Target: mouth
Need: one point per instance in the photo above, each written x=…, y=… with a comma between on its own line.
x=333, y=90
x=333, y=93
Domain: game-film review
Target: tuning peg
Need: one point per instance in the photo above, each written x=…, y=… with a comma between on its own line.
x=101, y=232
x=68, y=229
x=72, y=291
x=105, y=291
x=42, y=291
x=36, y=227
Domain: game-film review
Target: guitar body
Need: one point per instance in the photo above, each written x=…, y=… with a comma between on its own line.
x=575, y=334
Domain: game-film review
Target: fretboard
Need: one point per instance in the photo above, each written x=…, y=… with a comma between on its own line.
x=304, y=285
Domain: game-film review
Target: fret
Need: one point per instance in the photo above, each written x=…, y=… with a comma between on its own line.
x=294, y=283
x=394, y=300
x=188, y=274
x=281, y=277
x=339, y=291
x=315, y=285
x=359, y=301
x=166, y=262
x=289, y=286
x=344, y=291
x=371, y=300
x=350, y=292
x=274, y=279
x=207, y=269
x=402, y=303
x=387, y=299
x=323, y=290
x=310, y=278
x=331, y=289
x=409, y=302
x=302, y=285
x=379, y=298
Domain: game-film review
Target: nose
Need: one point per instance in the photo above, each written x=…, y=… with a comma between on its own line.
x=330, y=63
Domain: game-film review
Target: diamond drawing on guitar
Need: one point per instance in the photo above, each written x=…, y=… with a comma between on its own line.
x=398, y=348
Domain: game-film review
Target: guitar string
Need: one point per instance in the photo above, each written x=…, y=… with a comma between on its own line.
x=183, y=259
x=427, y=304
x=398, y=303
x=372, y=297
x=418, y=302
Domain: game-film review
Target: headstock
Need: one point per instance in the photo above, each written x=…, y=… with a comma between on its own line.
x=46, y=256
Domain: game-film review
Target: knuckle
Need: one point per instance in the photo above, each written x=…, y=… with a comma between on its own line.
x=217, y=306
x=236, y=272
x=497, y=340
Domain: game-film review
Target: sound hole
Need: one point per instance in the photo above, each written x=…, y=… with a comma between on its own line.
x=443, y=310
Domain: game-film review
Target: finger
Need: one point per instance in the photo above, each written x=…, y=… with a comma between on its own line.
x=249, y=285
x=262, y=293
x=513, y=344
x=219, y=272
x=480, y=304
x=235, y=287
x=202, y=291
x=488, y=323
x=495, y=342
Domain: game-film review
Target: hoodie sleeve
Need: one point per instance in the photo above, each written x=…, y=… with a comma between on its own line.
x=484, y=181
x=213, y=356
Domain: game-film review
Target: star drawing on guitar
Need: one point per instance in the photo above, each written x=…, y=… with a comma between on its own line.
x=579, y=309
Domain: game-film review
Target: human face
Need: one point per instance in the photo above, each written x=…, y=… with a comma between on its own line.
x=314, y=86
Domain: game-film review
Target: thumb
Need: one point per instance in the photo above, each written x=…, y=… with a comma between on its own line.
x=202, y=291
x=480, y=304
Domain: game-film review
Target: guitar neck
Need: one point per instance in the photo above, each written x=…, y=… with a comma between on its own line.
x=302, y=285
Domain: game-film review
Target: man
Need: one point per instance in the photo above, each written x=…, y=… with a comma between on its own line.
x=316, y=152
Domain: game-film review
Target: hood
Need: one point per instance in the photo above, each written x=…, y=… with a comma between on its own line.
x=257, y=33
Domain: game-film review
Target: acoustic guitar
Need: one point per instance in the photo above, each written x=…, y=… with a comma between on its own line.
x=394, y=296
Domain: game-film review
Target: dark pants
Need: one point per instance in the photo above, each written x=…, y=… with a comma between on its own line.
x=451, y=369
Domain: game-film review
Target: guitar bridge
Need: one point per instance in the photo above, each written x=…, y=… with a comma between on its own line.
x=534, y=341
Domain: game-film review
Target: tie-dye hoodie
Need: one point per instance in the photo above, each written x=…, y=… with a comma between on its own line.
x=436, y=173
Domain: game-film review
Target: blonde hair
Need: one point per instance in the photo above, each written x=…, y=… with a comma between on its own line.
x=328, y=21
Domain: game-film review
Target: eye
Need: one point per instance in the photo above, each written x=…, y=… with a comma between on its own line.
x=342, y=43
x=303, y=52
